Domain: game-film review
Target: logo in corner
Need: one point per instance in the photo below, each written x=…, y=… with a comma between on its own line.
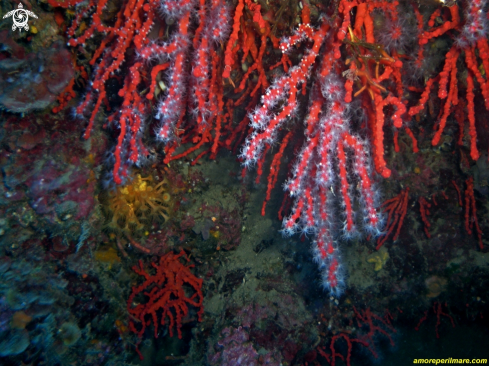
x=20, y=17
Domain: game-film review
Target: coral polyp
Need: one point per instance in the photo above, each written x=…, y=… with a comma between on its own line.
x=132, y=209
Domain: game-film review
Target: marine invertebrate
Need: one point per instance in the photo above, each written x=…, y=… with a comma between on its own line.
x=69, y=333
x=435, y=285
x=167, y=294
x=131, y=209
x=379, y=258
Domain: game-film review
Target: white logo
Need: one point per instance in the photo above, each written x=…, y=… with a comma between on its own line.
x=20, y=17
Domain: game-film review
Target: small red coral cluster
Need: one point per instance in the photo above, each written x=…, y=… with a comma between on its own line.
x=165, y=294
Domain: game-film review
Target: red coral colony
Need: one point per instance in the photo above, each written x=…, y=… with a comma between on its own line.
x=134, y=139
x=165, y=292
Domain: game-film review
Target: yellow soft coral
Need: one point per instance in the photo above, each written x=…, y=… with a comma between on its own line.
x=131, y=209
x=379, y=258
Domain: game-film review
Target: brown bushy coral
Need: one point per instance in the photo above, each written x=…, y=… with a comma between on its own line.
x=131, y=209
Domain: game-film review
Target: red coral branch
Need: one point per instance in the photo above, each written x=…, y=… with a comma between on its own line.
x=396, y=209
x=471, y=212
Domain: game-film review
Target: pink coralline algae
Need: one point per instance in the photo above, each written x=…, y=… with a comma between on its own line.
x=63, y=191
x=47, y=167
x=32, y=81
x=236, y=349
